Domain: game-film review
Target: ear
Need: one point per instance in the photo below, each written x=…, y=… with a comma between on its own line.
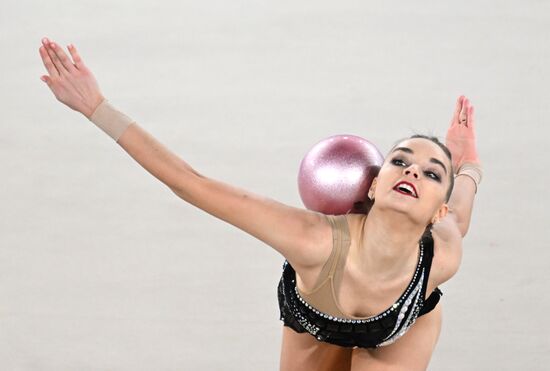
x=441, y=213
x=372, y=188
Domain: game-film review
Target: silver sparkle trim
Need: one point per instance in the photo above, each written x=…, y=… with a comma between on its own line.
x=380, y=315
x=394, y=335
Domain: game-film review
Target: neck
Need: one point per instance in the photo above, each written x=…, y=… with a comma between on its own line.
x=390, y=243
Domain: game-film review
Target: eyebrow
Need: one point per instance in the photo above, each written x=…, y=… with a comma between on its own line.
x=434, y=160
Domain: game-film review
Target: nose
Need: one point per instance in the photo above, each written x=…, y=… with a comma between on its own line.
x=412, y=169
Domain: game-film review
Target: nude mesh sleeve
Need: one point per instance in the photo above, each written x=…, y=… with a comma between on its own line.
x=110, y=120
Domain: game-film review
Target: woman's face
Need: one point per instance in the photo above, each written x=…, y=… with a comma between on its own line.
x=424, y=165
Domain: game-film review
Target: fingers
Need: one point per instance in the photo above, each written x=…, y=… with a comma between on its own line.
x=53, y=57
x=463, y=116
x=471, y=121
x=47, y=60
x=76, y=57
x=456, y=112
x=58, y=58
x=458, y=105
x=467, y=115
x=64, y=61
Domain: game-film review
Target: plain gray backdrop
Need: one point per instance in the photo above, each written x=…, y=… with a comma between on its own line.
x=102, y=267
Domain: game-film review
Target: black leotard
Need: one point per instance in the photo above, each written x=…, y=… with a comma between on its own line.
x=382, y=329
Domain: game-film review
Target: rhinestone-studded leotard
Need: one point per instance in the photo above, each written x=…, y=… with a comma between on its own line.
x=371, y=332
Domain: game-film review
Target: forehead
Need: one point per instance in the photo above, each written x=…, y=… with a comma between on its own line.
x=423, y=147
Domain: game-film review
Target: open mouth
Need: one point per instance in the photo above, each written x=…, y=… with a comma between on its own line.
x=406, y=189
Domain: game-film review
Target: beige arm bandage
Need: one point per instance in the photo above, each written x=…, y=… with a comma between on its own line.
x=471, y=170
x=110, y=120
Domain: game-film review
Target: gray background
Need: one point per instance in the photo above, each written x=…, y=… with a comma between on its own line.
x=102, y=267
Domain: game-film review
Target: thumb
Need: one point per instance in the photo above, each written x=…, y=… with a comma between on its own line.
x=45, y=79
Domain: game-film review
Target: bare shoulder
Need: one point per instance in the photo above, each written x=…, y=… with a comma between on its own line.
x=320, y=240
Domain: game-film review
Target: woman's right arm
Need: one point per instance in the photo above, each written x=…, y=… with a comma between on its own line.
x=302, y=236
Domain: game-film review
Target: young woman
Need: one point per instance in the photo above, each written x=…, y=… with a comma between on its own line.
x=358, y=291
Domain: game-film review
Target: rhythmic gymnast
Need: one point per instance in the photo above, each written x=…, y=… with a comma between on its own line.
x=358, y=291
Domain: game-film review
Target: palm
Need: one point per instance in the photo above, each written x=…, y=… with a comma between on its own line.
x=72, y=83
x=461, y=139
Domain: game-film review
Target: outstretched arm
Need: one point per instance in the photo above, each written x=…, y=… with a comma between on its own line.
x=451, y=229
x=461, y=142
x=300, y=235
x=292, y=231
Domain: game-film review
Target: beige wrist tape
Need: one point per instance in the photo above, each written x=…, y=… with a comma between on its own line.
x=110, y=120
x=471, y=170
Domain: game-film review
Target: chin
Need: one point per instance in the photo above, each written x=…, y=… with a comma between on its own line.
x=398, y=204
x=394, y=204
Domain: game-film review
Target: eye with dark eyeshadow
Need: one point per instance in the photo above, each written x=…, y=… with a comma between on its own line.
x=435, y=176
x=396, y=160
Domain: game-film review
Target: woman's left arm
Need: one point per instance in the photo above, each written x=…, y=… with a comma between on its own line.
x=461, y=141
x=461, y=202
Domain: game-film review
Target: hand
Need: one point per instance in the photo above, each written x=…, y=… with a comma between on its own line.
x=72, y=83
x=461, y=139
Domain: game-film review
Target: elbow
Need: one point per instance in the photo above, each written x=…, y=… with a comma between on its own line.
x=463, y=228
x=186, y=184
x=461, y=224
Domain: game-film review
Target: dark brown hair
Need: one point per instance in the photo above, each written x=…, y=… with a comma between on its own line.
x=363, y=207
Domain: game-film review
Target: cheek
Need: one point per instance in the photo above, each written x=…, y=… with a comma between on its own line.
x=439, y=193
x=384, y=171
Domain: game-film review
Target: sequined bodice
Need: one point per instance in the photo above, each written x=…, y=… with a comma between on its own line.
x=375, y=331
x=323, y=296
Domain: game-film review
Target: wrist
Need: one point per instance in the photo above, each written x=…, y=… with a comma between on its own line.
x=472, y=170
x=110, y=120
x=469, y=160
x=89, y=111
